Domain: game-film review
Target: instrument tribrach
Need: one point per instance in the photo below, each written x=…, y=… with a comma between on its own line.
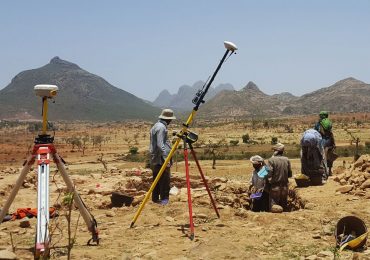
x=42, y=153
x=188, y=138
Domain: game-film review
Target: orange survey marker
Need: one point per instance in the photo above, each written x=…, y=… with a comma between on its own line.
x=30, y=213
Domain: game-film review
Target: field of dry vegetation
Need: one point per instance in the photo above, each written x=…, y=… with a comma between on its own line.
x=106, y=157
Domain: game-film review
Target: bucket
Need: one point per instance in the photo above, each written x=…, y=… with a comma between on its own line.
x=302, y=180
x=119, y=199
x=353, y=226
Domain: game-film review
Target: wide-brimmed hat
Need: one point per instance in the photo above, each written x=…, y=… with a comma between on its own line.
x=167, y=114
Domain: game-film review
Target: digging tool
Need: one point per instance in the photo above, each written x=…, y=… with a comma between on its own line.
x=197, y=101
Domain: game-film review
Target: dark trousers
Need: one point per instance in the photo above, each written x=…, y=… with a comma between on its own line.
x=162, y=189
x=261, y=204
x=279, y=196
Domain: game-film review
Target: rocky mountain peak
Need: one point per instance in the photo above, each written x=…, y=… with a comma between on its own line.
x=251, y=86
x=95, y=98
x=58, y=61
x=349, y=81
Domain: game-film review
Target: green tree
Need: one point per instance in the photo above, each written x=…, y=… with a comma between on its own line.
x=97, y=141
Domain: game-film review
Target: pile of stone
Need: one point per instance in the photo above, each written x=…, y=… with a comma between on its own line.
x=356, y=179
x=237, y=195
x=295, y=201
x=9, y=171
x=138, y=172
x=30, y=181
x=232, y=193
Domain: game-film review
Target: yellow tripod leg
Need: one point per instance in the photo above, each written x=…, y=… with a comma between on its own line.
x=155, y=181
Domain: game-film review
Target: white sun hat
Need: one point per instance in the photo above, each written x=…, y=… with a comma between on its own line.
x=167, y=114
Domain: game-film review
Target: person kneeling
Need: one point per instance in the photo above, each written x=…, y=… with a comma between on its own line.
x=259, y=185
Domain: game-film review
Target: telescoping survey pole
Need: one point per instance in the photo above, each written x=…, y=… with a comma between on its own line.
x=198, y=100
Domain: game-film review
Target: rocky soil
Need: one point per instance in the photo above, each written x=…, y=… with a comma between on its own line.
x=161, y=232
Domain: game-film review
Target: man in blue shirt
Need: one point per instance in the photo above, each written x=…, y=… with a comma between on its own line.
x=159, y=149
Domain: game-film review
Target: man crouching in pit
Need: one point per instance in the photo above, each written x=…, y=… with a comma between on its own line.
x=279, y=172
x=259, y=185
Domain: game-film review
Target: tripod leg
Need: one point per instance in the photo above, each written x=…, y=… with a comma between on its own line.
x=189, y=192
x=42, y=230
x=147, y=195
x=204, y=180
x=86, y=215
x=22, y=176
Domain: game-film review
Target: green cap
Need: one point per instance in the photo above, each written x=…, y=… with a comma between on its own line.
x=324, y=114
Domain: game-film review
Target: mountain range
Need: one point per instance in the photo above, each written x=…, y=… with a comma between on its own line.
x=86, y=96
x=347, y=95
x=81, y=96
x=182, y=100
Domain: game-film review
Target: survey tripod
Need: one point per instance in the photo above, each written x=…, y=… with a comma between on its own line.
x=188, y=139
x=42, y=153
x=198, y=100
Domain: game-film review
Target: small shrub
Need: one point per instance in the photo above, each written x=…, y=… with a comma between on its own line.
x=246, y=138
x=133, y=150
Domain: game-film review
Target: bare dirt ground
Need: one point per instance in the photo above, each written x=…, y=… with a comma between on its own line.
x=161, y=231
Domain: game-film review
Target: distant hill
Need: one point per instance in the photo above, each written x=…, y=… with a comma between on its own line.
x=182, y=100
x=348, y=95
x=249, y=101
x=82, y=96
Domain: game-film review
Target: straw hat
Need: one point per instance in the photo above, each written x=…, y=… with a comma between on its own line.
x=167, y=114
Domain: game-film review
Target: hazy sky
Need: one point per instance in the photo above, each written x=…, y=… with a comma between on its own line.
x=144, y=47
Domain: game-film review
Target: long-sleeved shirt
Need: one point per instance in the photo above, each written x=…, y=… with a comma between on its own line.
x=279, y=170
x=160, y=146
